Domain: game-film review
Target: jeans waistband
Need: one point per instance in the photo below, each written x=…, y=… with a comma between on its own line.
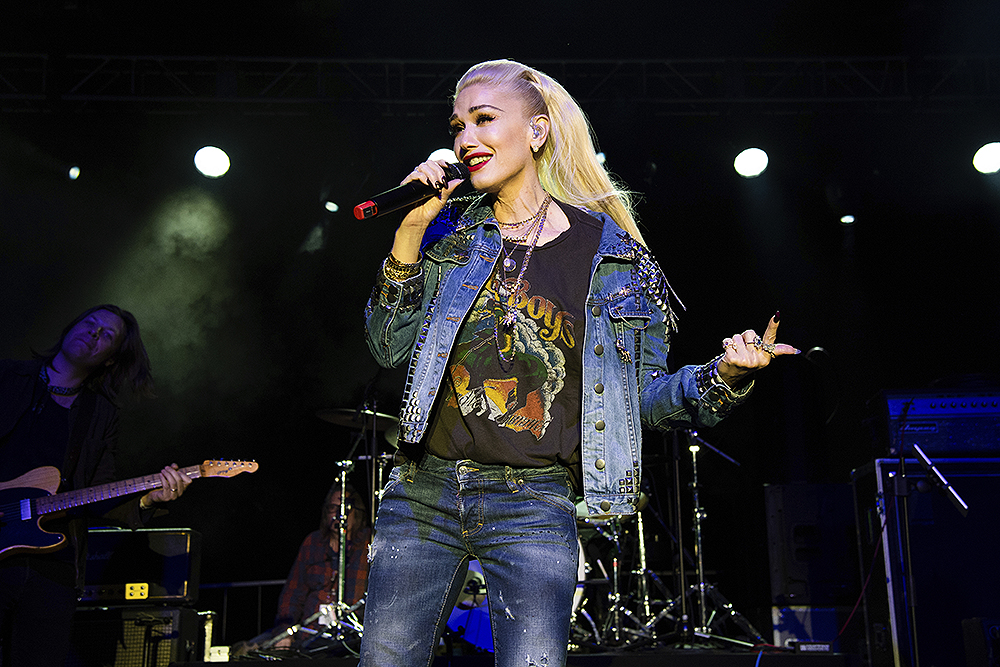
x=431, y=463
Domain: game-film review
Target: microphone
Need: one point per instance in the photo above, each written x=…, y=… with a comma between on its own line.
x=407, y=194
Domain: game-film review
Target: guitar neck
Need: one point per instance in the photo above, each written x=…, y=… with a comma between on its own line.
x=64, y=501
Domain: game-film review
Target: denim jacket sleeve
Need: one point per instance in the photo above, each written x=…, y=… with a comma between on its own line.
x=393, y=317
x=690, y=395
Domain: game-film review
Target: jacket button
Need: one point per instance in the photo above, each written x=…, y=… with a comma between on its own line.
x=599, y=425
x=599, y=464
x=605, y=505
x=599, y=349
x=596, y=311
x=599, y=388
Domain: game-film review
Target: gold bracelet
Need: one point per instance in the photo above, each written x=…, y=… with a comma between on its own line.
x=397, y=271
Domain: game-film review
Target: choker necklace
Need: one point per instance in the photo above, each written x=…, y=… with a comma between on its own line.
x=53, y=389
x=510, y=295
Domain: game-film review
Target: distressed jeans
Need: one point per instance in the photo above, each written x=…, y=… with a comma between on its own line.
x=520, y=523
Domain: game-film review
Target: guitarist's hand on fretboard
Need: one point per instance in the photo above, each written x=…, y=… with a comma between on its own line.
x=27, y=501
x=174, y=482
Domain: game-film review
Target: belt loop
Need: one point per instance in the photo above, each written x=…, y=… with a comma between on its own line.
x=512, y=482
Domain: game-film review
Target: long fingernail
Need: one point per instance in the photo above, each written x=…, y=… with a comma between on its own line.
x=777, y=316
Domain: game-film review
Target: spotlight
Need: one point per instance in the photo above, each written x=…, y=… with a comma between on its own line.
x=73, y=173
x=331, y=207
x=445, y=154
x=987, y=158
x=212, y=162
x=751, y=163
x=847, y=219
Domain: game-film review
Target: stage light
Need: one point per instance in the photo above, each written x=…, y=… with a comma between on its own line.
x=602, y=158
x=73, y=173
x=750, y=163
x=987, y=158
x=847, y=219
x=445, y=154
x=212, y=162
x=331, y=207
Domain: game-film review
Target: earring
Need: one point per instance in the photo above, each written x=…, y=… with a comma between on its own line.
x=535, y=130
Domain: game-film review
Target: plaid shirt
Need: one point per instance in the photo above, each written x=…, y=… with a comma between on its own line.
x=312, y=581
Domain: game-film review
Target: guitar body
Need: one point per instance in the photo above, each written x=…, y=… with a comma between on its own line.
x=20, y=526
x=27, y=500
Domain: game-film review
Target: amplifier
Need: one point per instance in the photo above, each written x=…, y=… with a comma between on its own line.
x=952, y=424
x=135, y=637
x=145, y=566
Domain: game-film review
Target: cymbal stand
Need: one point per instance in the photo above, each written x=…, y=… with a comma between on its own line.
x=702, y=590
x=345, y=467
x=643, y=574
x=339, y=615
x=614, y=630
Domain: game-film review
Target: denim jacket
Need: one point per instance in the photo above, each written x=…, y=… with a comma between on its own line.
x=626, y=382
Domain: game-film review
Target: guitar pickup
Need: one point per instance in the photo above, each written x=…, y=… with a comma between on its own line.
x=136, y=591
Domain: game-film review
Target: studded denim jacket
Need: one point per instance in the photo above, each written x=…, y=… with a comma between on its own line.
x=629, y=319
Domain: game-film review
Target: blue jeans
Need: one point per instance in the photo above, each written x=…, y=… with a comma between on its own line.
x=520, y=523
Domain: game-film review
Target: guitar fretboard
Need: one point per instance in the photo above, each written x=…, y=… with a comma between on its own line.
x=64, y=501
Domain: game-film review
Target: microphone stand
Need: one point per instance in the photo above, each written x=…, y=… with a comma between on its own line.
x=703, y=589
x=901, y=489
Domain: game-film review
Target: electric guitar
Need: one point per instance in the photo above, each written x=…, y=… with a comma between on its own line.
x=27, y=501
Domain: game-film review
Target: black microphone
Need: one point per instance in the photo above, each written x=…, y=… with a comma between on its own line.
x=407, y=194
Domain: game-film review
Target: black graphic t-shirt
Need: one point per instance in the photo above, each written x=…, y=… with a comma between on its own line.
x=525, y=411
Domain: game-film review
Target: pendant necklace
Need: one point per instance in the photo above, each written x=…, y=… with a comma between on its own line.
x=508, y=263
x=510, y=296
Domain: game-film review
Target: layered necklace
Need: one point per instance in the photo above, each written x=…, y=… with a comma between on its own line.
x=504, y=290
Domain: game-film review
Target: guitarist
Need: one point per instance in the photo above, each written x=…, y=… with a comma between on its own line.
x=61, y=409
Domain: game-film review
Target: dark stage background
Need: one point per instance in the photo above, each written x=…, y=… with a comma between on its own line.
x=251, y=330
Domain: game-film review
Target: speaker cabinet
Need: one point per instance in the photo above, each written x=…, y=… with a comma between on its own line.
x=134, y=637
x=810, y=539
x=149, y=565
x=813, y=559
x=917, y=611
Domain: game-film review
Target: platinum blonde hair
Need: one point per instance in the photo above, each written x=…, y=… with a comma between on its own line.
x=568, y=167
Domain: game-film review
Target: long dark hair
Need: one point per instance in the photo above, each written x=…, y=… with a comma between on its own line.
x=131, y=369
x=357, y=501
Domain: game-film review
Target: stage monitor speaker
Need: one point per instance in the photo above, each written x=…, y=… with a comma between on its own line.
x=918, y=611
x=134, y=637
x=149, y=565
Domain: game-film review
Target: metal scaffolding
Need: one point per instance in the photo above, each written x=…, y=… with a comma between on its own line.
x=255, y=85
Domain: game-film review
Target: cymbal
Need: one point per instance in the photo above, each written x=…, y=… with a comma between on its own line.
x=358, y=419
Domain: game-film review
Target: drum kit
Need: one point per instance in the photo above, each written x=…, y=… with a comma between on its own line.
x=620, y=603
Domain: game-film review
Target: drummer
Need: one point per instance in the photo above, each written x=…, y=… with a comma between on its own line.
x=313, y=579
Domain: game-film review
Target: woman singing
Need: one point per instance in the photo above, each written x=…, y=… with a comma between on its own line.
x=536, y=326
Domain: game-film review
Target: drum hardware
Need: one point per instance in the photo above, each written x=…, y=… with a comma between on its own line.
x=339, y=620
x=702, y=593
x=621, y=627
